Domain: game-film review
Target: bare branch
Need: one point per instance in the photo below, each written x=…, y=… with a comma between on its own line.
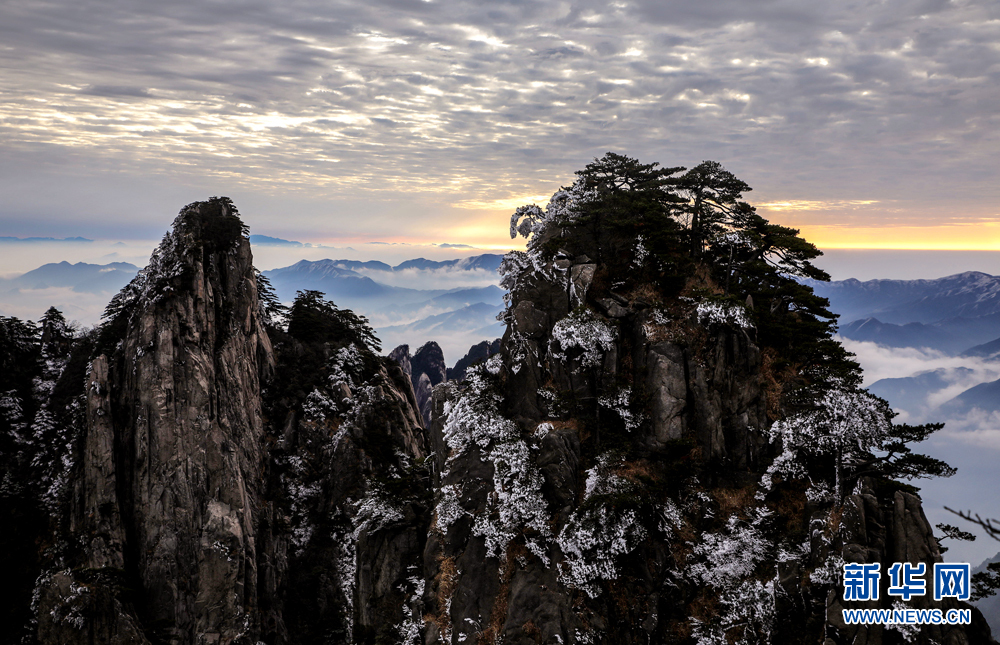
x=992, y=529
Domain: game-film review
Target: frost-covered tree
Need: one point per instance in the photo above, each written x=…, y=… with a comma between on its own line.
x=852, y=430
x=56, y=333
x=19, y=350
x=615, y=202
x=646, y=224
x=629, y=202
x=40, y=414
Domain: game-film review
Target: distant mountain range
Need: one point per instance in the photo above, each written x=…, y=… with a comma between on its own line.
x=80, y=290
x=910, y=393
x=350, y=282
x=448, y=301
x=950, y=314
x=81, y=277
x=486, y=262
x=951, y=335
x=985, y=397
x=989, y=351
x=965, y=295
x=958, y=315
x=342, y=285
x=456, y=317
x=14, y=240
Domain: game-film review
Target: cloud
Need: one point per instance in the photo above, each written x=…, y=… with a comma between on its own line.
x=115, y=91
x=507, y=203
x=807, y=205
x=881, y=362
x=477, y=101
x=440, y=278
x=970, y=441
x=80, y=307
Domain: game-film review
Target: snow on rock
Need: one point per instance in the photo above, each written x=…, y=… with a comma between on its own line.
x=542, y=430
x=474, y=419
x=584, y=332
x=516, y=503
x=449, y=508
x=592, y=540
x=520, y=350
x=723, y=313
x=621, y=403
x=375, y=512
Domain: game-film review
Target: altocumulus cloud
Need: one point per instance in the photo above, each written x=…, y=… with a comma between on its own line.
x=868, y=102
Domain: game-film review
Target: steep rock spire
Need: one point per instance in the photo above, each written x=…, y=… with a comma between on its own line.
x=173, y=457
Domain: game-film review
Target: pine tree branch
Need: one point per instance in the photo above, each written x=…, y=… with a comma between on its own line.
x=992, y=530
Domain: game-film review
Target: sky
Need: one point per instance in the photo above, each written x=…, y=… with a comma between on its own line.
x=866, y=124
x=384, y=129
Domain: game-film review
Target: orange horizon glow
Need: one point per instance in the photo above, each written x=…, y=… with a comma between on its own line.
x=950, y=237
x=484, y=225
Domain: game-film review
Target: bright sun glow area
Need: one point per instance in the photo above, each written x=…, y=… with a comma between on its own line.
x=509, y=204
x=956, y=237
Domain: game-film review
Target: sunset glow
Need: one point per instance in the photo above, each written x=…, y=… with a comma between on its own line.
x=433, y=122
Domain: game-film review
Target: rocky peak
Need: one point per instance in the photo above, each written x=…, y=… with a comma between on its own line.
x=667, y=446
x=401, y=355
x=477, y=353
x=425, y=369
x=173, y=450
x=640, y=458
x=429, y=360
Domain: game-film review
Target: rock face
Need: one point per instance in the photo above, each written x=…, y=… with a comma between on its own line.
x=174, y=452
x=348, y=496
x=476, y=354
x=615, y=475
x=244, y=494
x=525, y=552
x=425, y=369
x=899, y=533
x=402, y=357
x=626, y=466
x=429, y=360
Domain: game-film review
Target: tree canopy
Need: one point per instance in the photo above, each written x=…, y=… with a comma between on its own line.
x=312, y=318
x=651, y=224
x=692, y=235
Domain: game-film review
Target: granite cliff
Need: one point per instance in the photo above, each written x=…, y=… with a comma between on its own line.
x=425, y=369
x=667, y=446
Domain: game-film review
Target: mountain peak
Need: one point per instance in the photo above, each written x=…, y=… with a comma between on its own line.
x=667, y=445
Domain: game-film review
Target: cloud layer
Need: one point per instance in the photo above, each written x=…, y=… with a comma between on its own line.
x=839, y=112
x=969, y=441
